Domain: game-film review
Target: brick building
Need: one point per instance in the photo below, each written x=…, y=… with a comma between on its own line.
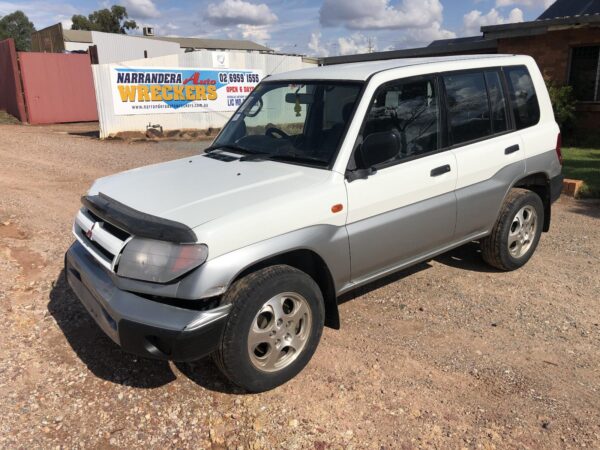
x=564, y=40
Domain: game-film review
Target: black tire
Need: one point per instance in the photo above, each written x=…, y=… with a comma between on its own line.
x=495, y=247
x=248, y=295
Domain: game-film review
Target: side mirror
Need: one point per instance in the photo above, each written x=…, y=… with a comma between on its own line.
x=378, y=148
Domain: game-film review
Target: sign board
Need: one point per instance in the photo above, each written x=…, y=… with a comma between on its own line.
x=152, y=90
x=220, y=60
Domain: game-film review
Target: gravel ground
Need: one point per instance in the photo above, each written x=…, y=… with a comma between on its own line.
x=448, y=354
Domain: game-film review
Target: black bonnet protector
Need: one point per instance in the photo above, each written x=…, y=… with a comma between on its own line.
x=136, y=222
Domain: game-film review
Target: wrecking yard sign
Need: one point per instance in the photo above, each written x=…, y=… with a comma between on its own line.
x=151, y=90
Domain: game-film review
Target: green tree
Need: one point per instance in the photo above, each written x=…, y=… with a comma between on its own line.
x=113, y=20
x=18, y=27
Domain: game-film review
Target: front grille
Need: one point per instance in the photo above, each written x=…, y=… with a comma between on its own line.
x=103, y=240
x=121, y=234
x=108, y=255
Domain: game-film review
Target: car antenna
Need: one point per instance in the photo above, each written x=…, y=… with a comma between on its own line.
x=280, y=62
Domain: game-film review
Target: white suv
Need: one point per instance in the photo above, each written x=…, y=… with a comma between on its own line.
x=325, y=179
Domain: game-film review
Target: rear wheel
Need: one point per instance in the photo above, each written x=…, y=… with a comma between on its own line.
x=517, y=232
x=273, y=329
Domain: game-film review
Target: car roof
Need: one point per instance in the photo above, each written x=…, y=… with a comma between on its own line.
x=361, y=71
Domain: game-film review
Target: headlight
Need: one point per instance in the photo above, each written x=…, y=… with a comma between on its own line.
x=159, y=261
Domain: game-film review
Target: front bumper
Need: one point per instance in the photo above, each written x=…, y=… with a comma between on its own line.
x=139, y=325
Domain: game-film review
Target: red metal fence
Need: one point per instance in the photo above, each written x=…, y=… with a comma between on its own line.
x=58, y=87
x=46, y=87
x=11, y=97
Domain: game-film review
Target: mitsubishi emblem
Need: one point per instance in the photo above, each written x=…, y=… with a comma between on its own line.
x=88, y=233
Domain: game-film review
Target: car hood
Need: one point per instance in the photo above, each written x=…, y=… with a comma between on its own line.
x=196, y=190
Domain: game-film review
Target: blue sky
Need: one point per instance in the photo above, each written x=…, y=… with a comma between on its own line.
x=314, y=27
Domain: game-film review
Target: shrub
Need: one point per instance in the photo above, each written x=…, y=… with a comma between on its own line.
x=563, y=102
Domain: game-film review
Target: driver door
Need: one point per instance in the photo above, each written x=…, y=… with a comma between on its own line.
x=406, y=208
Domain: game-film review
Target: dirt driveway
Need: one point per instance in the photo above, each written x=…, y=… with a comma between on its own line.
x=449, y=354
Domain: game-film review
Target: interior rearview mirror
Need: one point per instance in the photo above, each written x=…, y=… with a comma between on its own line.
x=303, y=99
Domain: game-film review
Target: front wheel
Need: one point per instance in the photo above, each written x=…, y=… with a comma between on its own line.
x=273, y=329
x=517, y=232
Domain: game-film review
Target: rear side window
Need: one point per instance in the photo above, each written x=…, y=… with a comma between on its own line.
x=523, y=97
x=468, y=107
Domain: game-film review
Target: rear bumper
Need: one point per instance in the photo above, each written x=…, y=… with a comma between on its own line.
x=141, y=326
x=556, y=186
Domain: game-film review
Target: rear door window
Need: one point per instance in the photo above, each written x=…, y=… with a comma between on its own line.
x=468, y=106
x=523, y=97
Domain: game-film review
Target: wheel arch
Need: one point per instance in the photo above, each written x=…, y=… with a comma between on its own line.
x=311, y=263
x=538, y=182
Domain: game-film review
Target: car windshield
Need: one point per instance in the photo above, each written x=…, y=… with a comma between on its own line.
x=299, y=122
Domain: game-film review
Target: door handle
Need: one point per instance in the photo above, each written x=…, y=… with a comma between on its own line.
x=511, y=149
x=440, y=170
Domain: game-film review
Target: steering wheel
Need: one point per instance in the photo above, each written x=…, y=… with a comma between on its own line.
x=276, y=133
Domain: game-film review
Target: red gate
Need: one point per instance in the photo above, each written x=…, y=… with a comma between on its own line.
x=11, y=98
x=58, y=87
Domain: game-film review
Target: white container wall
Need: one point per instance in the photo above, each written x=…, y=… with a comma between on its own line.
x=111, y=124
x=122, y=47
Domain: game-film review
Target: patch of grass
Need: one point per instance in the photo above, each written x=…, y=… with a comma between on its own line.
x=6, y=118
x=583, y=164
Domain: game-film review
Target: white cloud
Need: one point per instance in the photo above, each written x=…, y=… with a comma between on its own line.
x=41, y=13
x=240, y=12
x=254, y=32
x=528, y=3
x=145, y=9
x=475, y=19
x=345, y=45
x=316, y=46
x=431, y=33
x=380, y=14
x=357, y=43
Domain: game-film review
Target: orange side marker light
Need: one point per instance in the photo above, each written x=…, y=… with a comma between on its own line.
x=337, y=208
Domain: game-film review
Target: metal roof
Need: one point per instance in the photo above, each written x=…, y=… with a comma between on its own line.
x=571, y=8
x=462, y=41
x=184, y=42
x=77, y=36
x=213, y=44
x=537, y=27
x=562, y=13
x=360, y=71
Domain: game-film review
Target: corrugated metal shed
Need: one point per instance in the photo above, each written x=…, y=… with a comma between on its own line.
x=77, y=36
x=214, y=44
x=121, y=47
x=50, y=39
x=111, y=124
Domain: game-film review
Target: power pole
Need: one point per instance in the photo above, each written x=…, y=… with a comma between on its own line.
x=371, y=47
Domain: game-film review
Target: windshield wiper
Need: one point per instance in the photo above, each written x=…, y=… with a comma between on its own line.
x=256, y=156
x=298, y=158
x=292, y=157
x=234, y=147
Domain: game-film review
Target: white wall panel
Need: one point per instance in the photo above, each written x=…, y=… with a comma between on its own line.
x=120, y=47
